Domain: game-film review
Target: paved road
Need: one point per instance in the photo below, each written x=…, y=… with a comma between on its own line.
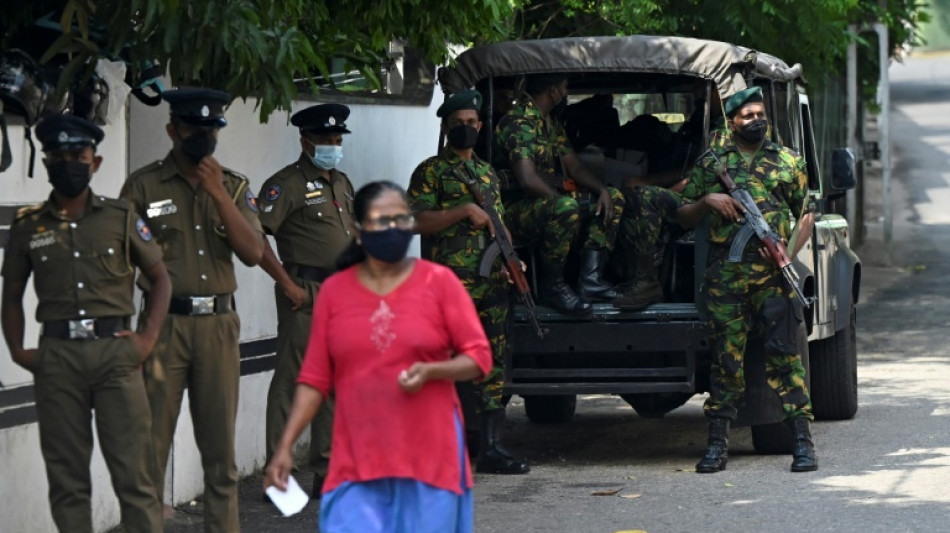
x=885, y=471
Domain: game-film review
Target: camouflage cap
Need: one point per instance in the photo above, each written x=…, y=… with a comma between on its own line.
x=741, y=98
x=470, y=99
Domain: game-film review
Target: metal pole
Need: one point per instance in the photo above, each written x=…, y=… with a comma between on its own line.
x=884, y=97
x=852, y=142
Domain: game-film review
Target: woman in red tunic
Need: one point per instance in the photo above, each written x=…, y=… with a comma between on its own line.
x=390, y=336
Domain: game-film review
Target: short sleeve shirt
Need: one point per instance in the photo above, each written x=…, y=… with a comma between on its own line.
x=82, y=268
x=310, y=217
x=188, y=227
x=524, y=133
x=442, y=182
x=775, y=177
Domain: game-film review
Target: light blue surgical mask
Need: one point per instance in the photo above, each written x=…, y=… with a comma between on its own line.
x=327, y=156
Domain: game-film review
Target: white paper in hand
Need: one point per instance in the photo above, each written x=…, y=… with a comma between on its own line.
x=291, y=501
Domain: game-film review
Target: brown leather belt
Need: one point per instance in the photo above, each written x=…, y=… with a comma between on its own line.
x=307, y=273
x=201, y=305
x=85, y=328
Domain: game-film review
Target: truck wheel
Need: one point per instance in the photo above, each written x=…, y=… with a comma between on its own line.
x=772, y=439
x=655, y=405
x=550, y=409
x=834, y=394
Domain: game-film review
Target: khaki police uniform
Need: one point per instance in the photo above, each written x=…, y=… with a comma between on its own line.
x=83, y=279
x=310, y=218
x=198, y=347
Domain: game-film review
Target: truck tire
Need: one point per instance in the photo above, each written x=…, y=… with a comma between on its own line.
x=834, y=394
x=772, y=439
x=550, y=408
x=655, y=405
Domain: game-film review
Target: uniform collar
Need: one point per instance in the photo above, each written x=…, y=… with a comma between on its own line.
x=530, y=108
x=310, y=170
x=450, y=156
x=768, y=146
x=95, y=202
x=168, y=168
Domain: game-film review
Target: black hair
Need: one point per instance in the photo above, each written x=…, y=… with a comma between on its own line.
x=367, y=194
x=538, y=83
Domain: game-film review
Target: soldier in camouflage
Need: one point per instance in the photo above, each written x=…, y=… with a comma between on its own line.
x=544, y=206
x=738, y=291
x=447, y=212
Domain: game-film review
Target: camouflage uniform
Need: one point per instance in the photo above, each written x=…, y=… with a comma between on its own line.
x=649, y=209
x=777, y=181
x=440, y=183
x=524, y=133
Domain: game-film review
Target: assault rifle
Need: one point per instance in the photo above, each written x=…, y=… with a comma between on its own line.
x=502, y=245
x=755, y=224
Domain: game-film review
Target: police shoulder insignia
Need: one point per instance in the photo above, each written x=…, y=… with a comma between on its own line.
x=143, y=230
x=251, y=200
x=273, y=193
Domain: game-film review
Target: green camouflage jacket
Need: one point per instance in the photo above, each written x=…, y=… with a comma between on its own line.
x=775, y=178
x=439, y=183
x=524, y=133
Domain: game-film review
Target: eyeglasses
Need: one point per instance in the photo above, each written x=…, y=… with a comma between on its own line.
x=403, y=221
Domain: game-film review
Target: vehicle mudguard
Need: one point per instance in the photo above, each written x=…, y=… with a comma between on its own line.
x=847, y=286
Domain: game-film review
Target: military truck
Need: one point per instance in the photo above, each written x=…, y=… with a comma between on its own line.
x=658, y=358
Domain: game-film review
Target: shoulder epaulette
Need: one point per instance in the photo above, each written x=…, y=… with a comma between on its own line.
x=26, y=210
x=151, y=167
x=235, y=174
x=119, y=203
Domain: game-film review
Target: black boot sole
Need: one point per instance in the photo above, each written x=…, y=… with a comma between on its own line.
x=710, y=469
x=809, y=468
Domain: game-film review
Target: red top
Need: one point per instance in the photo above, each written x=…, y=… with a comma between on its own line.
x=359, y=344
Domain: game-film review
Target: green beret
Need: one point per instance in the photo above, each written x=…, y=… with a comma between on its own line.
x=741, y=98
x=471, y=99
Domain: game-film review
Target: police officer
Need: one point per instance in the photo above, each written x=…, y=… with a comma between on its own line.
x=542, y=205
x=83, y=249
x=308, y=207
x=446, y=209
x=738, y=292
x=201, y=214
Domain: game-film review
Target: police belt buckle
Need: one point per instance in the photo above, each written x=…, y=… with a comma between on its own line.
x=202, y=305
x=82, y=329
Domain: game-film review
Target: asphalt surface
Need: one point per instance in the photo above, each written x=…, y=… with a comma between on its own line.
x=887, y=470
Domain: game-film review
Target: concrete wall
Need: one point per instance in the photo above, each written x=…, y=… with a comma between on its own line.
x=387, y=143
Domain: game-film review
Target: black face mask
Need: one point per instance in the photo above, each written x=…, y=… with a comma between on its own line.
x=199, y=145
x=462, y=137
x=388, y=245
x=754, y=131
x=69, y=178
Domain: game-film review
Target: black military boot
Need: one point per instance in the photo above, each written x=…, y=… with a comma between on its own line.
x=643, y=289
x=494, y=459
x=803, y=449
x=554, y=291
x=591, y=284
x=717, y=447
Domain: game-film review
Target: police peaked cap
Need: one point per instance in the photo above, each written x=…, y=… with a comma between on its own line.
x=68, y=132
x=198, y=106
x=470, y=99
x=741, y=98
x=322, y=119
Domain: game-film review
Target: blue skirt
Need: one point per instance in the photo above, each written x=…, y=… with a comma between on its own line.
x=399, y=505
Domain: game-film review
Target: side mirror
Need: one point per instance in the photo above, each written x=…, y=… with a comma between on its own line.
x=842, y=169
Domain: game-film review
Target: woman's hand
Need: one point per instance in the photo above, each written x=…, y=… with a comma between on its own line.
x=413, y=379
x=278, y=470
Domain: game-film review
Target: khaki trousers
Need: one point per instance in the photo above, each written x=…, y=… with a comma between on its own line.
x=73, y=378
x=293, y=333
x=202, y=354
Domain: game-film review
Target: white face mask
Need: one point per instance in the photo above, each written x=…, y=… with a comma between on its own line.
x=327, y=156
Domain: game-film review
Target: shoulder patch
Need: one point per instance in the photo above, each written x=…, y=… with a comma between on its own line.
x=27, y=210
x=251, y=200
x=142, y=228
x=273, y=192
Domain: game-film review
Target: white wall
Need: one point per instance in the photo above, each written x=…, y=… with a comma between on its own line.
x=388, y=141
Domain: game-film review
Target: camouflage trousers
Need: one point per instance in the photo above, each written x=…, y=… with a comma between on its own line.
x=554, y=223
x=491, y=301
x=649, y=210
x=736, y=293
